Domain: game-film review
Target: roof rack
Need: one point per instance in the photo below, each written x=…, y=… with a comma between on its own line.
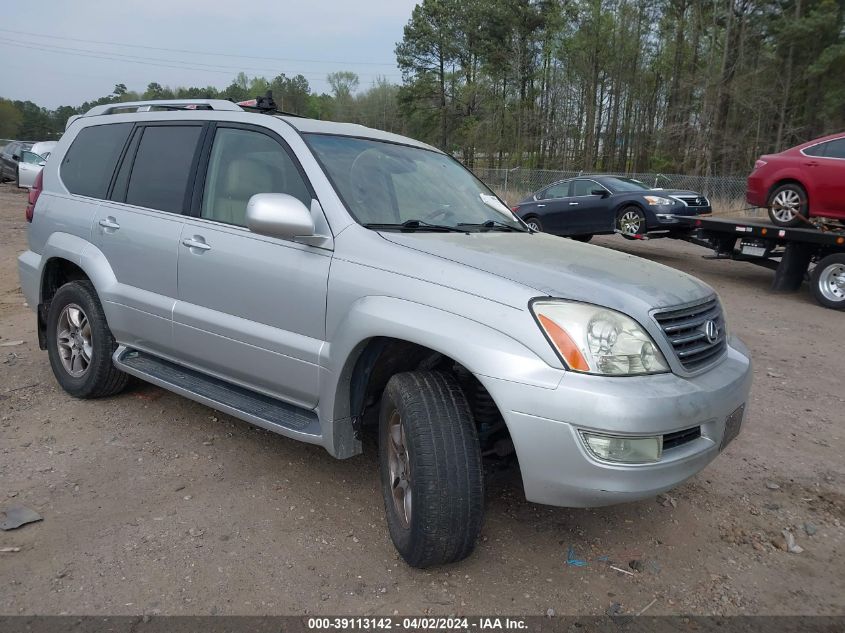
x=164, y=104
x=265, y=105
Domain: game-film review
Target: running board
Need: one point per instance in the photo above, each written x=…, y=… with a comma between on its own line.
x=253, y=407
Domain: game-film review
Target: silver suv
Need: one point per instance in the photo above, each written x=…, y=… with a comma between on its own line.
x=321, y=279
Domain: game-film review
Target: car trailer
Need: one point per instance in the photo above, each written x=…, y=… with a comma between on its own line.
x=787, y=251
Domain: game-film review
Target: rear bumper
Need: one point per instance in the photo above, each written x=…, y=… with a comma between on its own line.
x=29, y=273
x=756, y=192
x=558, y=470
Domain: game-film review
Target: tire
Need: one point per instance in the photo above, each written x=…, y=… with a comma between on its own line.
x=438, y=448
x=97, y=377
x=534, y=223
x=583, y=238
x=631, y=221
x=828, y=281
x=785, y=203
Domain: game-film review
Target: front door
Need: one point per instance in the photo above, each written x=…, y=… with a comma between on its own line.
x=251, y=308
x=28, y=168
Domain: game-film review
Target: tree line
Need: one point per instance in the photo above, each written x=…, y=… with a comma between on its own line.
x=686, y=86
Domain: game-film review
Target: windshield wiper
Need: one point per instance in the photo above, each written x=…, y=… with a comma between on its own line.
x=495, y=224
x=415, y=225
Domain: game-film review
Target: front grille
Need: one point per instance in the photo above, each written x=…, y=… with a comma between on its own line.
x=679, y=438
x=686, y=329
x=693, y=201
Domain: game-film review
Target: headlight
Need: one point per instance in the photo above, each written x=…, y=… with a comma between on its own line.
x=658, y=200
x=595, y=340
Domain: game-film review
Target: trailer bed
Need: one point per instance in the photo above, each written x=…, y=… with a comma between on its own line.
x=788, y=251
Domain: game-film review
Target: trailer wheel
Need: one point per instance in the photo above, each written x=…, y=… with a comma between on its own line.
x=828, y=281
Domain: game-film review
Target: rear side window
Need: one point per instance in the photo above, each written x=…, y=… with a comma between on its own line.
x=560, y=190
x=162, y=167
x=835, y=148
x=88, y=165
x=817, y=150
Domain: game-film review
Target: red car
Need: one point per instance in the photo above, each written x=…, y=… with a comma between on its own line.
x=808, y=179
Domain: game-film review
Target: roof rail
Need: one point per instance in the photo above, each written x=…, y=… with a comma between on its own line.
x=167, y=104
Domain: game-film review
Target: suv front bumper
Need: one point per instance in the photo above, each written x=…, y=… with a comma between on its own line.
x=557, y=468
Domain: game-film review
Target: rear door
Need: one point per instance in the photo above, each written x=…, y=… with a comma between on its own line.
x=826, y=168
x=552, y=207
x=138, y=230
x=588, y=212
x=251, y=308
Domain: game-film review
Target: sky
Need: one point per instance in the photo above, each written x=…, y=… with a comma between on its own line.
x=64, y=52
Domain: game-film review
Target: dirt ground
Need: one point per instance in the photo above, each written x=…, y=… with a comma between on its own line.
x=154, y=504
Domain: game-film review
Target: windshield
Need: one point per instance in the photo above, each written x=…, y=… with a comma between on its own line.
x=388, y=184
x=618, y=185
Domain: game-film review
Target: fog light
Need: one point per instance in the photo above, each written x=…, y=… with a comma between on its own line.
x=628, y=450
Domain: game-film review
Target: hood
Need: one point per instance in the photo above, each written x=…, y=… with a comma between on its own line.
x=673, y=192
x=563, y=268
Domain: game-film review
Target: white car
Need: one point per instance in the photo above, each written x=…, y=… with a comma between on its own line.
x=32, y=161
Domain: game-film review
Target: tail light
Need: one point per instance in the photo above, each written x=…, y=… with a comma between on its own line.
x=759, y=164
x=515, y=208
x=34, y=192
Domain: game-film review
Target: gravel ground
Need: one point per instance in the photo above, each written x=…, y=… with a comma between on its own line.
x=154, y=504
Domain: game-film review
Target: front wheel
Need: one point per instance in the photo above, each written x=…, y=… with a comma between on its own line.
x=430, y=463
x=80, y=344
x=828, y=281
x=631, y=221
x=786, y=203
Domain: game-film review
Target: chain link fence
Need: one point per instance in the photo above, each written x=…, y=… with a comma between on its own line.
x=726, y=193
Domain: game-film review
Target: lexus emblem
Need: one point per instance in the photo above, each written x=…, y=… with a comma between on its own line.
x=711, y=331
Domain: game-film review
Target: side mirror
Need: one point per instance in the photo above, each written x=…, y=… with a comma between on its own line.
x=278, y=215
x=599, y=192
x=16, y=158
x=42, y=163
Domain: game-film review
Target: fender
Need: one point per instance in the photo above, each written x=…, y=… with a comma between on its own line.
x=484, y=351
x=88, y=257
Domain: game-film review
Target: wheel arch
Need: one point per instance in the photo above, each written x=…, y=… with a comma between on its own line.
x=66, y=257
x=381, y=336
x=787, y=180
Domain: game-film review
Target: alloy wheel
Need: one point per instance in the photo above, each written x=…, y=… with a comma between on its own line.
x=73, y=339
x=630, y=223
x=399, y=465
x=786, y=205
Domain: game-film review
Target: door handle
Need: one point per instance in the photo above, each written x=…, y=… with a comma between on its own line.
x=541, y=205
x=812, y=163
x=109, y=223
x=196, y=242
x=573, y=203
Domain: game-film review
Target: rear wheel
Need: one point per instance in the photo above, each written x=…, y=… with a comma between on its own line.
x=534, y=223
x=80, y=344
x=786, y=203
x=430, y=463
x=631, y=221
x=828, y=281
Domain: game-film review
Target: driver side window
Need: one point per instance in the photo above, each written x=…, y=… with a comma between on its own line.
x=31, y=158
x=242, y=164
x=583, y=187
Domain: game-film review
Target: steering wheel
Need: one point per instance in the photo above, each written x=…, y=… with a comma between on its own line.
x=442, y=212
